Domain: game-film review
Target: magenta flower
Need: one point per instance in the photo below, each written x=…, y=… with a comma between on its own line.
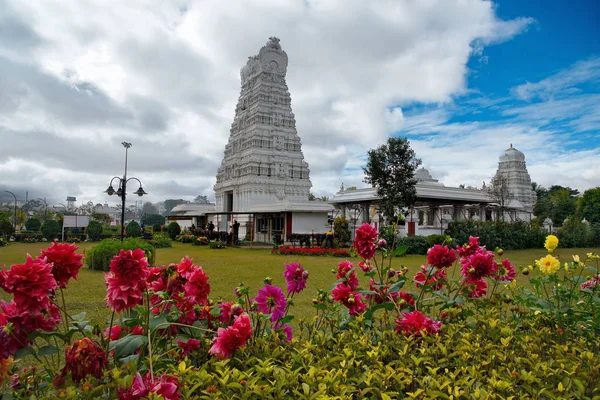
x=271, y=300
x=346, y=295
x=428, y=276
x=229, y=339
x=345, y=271
x=441, y=256
x=478, y=265
x=296, y=277
x=189, y=346
x=504, y=271
x=285, y=328
x=474, y=289
x=66, y=262
x=31, y=284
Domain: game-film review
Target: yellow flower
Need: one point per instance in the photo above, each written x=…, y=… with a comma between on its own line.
x=576, y=259
x=567, y=267
x=551, y=242
x=548, y=265
x=592, y=256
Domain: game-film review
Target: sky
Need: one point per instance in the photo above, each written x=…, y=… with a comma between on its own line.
x=462, y=80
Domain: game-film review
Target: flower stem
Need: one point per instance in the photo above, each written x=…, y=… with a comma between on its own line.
x=62, y=295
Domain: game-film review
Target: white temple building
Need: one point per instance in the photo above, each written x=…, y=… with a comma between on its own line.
x=263, y=181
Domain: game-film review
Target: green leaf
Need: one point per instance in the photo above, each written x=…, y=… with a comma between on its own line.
x=128, y=345
x=397, y=286
x=131, y=358
x=158, y=320
x=286, y=319
x=23, y=352
x=78, y=317
x=400, y=251
x=47, y=350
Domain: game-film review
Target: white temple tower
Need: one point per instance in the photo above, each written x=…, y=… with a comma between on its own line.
x=263, y=161
x=512, y=166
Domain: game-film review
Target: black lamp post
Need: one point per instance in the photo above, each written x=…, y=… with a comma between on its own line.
x=45, y=209
x=122, y=192
x=15, y=221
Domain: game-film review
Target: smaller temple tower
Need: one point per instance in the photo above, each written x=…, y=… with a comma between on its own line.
x=512, y=166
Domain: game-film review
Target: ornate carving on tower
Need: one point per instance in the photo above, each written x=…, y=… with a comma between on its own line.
x=512, y=166
x=263, y=157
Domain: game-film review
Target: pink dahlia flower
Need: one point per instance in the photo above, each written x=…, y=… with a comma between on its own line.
x=469, y=249
x=478, y=265
x=131, y=265
x=365, y=241
x=435, y=279
x=123, y=295
x=474, y=289
x=441, y=256
x=189, y=346
x=66, y=263
x=345, y=272
x=271, y=300
x=230, y=339
x=197, y=286
x=296, y=277
x=504, y=271
x=416, y=323
x=164, y=385
x=352, y=300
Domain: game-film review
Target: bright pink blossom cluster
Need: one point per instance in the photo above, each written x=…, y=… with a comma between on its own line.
x=416, y=323
x=431, y=277
x=592, y=283
x=365, y=241
x=230, y=339
x=126, y=280
x=66, y=263
x=295, y=277
x=164, y=385
x=441, y=256
x=345, y=292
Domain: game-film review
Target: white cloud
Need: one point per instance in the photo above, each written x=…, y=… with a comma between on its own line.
x=165, y=76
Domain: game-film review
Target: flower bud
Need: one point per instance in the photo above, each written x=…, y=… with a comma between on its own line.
x=391, y=273
x=526, y=271
x=382, y=243
x=268, y=280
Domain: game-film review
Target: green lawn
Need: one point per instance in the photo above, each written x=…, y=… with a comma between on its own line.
x=228, y=267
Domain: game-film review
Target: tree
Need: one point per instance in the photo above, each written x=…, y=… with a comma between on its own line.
x=391, y=168
x=101, y=217
x=562, y=205
x=6, y=227
x=173, y=230
x=133, y=229
x=94, y=230
x=153, y=219
x=589, y=205
x=51, y=229
x=86, y=209
x=557, y=188
x=171, y=203
x=341, y=231
x=33, y=224
x=540, y=191
x=149, y=208
x=499, y=192
x=200, y=199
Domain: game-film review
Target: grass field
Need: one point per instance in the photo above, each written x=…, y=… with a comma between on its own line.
x=228, y=267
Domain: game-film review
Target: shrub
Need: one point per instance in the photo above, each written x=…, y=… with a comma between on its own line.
x=493, y=234
x=201, y=241
x=595, y=234
x=51, y=229
x=415, y=244
x=434, y=239
x=157, y=228
x=341, y=230
x=98, y=257
x=6, y=227
x=185, y=238
x=173, y=230
x=3, y=242
x=133, y=230
x=575, y=233
x=94, y=231
x=160, y=241
x=217, y=244
x=315, y=251
x=33, y=224
x=388, y=233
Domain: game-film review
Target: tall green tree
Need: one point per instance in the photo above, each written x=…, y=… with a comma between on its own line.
x=589, y=205
x=391, y=169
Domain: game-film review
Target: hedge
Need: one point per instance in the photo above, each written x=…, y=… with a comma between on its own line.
x=493, y=234
x=98, y=257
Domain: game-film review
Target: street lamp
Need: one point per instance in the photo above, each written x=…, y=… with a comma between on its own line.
x=15, y=221
x=122, y=191
x=45, y=209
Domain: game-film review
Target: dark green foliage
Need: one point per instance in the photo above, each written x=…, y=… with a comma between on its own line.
x=156, y=228
x=94, y=230
x=51, y=229
x=589, y=205
x=133, y=229
x=416, y=244
x=388, y=233
x=153, y=219
x=574, y=233
x=595, y=235
x=391, y=168
x=33, y=224
x=98, y=257
x=505, y=235
x=6, y=227
x=174, y=230
x=558, y=205
x=434, y=239
x=340, y=228
x=160, y=241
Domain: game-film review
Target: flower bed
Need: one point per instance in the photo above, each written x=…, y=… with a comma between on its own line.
x=315, y=251
x=461, y=327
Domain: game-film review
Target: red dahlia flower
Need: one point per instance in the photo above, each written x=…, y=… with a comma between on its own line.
x=31, y=283
x=271, y=300
x=468, y=249
x=441, y=256
x=345, y=271
x=364, y=241
x=123, y=295
x=83, y=358
x=474, y=289
x=346, y=295
x=416, y=323
x=434, y=278
x=478, y=265
x=163, y=385
x=189, y=346
x=131, y=265
x=296, y=277
x=197, y=286
x=230, y=339
x=66, y=262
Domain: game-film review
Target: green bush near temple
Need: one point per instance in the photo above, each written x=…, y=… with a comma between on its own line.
x=50, y=229
x=98, y=257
